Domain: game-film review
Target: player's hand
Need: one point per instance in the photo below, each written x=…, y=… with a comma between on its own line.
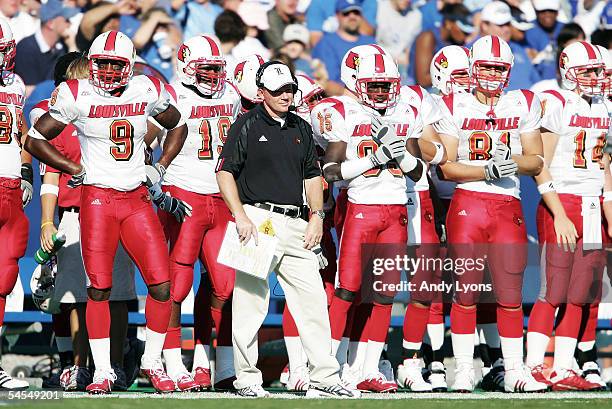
x=177, y=207
x=27, y=180
x=246, y=228
x=320, y=257
x=502, y=153
x=497, y=170
x=46, y=237
x=155, y=173
x=77, y=179
x=566, y=233
x=314, y=232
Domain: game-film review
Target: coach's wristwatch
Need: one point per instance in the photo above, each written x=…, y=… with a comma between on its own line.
x=320, y=213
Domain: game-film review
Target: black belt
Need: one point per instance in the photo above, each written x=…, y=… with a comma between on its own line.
x=293, y=213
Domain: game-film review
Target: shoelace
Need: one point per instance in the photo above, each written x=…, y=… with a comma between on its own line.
x=101, y=376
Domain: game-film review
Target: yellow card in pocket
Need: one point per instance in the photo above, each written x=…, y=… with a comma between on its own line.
x=266, y=228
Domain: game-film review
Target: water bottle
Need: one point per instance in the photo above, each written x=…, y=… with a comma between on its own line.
x=41, y=256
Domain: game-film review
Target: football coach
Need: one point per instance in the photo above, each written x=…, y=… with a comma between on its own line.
x=267, y=162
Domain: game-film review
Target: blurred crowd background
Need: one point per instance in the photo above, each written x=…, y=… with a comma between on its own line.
x=310, y=35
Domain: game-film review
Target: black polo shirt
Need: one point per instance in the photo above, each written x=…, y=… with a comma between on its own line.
x=270, y=161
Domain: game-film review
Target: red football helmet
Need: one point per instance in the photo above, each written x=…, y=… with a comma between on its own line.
x=583, y=68
x=111, y=60
x=378, y=81
x=200, y=63
x=309, y=94
x=491, y=60
x=7, y=47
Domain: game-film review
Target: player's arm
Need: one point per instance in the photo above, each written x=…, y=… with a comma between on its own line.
x=335, y=155
x=27, y=173
x=37, y=143
x=607, y=201
x=530, y=162
x=455, y=171
x=177, y=134
x=432, y=147
x=48, y=200
x=564, y=228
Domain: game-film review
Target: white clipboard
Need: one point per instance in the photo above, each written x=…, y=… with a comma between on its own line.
x=255, y=260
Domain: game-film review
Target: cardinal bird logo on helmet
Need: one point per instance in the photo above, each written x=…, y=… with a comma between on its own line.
x=238, y=71
x=442, y=61
x=563, y=60
x=183, y=53
x=352, y=60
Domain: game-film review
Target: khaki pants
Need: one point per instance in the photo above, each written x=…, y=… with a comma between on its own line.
x=297, y=270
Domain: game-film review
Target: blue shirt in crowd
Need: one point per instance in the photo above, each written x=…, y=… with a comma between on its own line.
x=539, y=39
x=411, y=78
x=431, y=15
x=195, y=18
x=332, y=48
x=321, y=14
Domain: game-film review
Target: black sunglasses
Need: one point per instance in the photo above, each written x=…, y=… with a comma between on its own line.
x=348, y=13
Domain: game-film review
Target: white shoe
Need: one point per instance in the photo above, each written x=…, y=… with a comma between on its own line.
x=465, y=380
x=590, y=372
x=8, y=383
x=409, y=376
x=521, y=380
x=385, y=368
x=437, y=377
x=253, y=391
x=299, y=380
x=75, y=378
x=284, y=376
x=340, y=390
x=350, y=378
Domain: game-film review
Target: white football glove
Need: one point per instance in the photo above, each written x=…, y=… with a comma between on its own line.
x=27, y=180
x=320, y=257
x=178, y=208
x=502, y=169
x=502, y=152
x=77, y=180
x=155, y=174
x=390, y=145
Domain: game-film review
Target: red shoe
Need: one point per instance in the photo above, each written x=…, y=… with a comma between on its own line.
x=377, y=384
x=569, y=380
x=185, y=383
x=226, y=384
x=159, y=379
x=538, y=374
x=102, y=383
x=201, y=377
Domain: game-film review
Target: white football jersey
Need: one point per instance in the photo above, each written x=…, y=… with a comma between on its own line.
x=464, y=118
x=208, y=121
x=422, y=100
x=582, y=130
x=12, y=97
x=444, y=188
x=111, y=129
x=350, y=122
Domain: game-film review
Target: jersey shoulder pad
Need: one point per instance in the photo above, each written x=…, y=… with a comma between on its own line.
x=336, y=104
x=156, y=82
x=171, y=91
x=448, y=101
x=44, y=105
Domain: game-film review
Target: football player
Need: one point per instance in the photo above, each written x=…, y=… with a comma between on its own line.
x=16, y=179
x=574, y=129
x=362, y=150
x=244, y=80
x=209, y=106
x=490, y=136
x=110, y=111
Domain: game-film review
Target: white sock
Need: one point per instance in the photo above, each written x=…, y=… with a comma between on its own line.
x=490, y=334
x=201, y=355
x=372, y=356
x=564, y=352
x=536, y=348
x=357, y=357
x=343, y=351
x=174, y=362
x=295, y=352
x=512, y=351
x=153, y=345
x=586, y=345
x=224, y=364
x=435, y=332
x=411, y=345
x=463, y=348
x=63, y=344
x=335, y=345
x=100, y=351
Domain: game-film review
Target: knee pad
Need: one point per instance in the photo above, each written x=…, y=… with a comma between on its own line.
x=382, y=299
x=8, y=278
x=160, y=292
x=345, y=295
x=509, y=306
x=97, y=294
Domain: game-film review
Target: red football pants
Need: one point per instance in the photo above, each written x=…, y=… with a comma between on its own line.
x=107, y=216
x=487, y=228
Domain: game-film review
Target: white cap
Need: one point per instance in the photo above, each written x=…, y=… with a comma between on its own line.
x=253, y=15
x=496, y=12
x=296, y=32
x=275, y=76
x=541, y=5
